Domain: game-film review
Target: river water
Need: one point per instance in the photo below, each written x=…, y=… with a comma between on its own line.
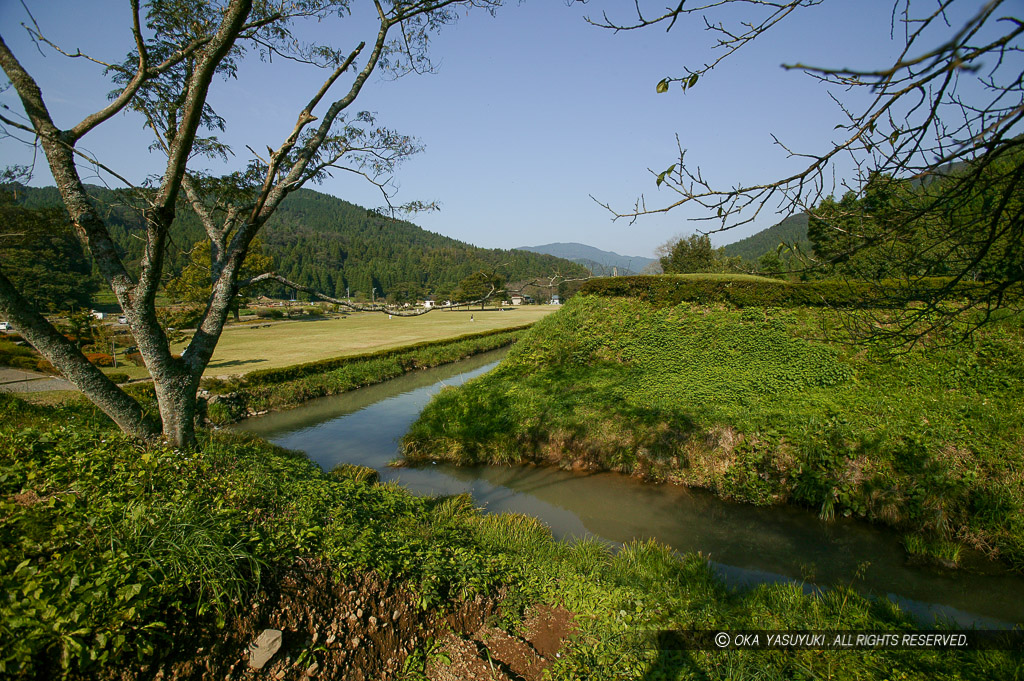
x=747, y=544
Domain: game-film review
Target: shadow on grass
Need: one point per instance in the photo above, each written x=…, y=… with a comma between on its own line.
x=234, y=362
x=671, y=661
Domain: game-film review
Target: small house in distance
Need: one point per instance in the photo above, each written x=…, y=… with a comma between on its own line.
x=521, y=300
x=556, y=299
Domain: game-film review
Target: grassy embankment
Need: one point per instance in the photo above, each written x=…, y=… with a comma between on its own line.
x=741, y=400
x=117, y=561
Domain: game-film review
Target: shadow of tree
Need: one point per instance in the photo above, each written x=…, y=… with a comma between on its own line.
x=234, y=362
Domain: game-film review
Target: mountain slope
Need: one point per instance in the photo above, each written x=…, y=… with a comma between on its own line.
x=332, y=245
x=597, y=261
x=791, y=230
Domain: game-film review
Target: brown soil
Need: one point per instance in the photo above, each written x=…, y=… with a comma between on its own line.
x=491, y=654
x=355, y=629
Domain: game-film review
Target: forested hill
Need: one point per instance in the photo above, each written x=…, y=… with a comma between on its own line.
x=791, y=230
x=330, y=244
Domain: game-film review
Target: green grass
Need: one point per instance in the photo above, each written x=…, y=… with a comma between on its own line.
x=287, y=387
x=748, y=404
x=110, y=553
x=284, y=343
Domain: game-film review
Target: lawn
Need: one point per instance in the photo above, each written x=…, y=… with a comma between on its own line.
x=283, y=343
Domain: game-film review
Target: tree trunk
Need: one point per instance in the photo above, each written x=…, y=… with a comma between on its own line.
x=64, y=355
x=176, y=397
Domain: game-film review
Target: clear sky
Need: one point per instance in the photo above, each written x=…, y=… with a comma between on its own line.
x=529, y=112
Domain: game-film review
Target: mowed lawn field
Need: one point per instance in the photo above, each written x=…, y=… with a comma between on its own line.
x=283, y=343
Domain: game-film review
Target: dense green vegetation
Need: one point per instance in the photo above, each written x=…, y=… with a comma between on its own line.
x=115, y=559
x=791, y=231
x=333, y=246
x=695, y=255
x=746, y=401
x=42, y=257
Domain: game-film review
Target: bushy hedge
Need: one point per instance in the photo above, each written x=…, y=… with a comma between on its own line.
x=100, y=359
x=22, y=357
x=762, y=292
x=291, y=373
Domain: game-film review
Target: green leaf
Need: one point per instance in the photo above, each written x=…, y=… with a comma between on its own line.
x=662, y=86
x=692, y=81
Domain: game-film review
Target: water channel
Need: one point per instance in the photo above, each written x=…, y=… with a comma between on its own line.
x=747, y=544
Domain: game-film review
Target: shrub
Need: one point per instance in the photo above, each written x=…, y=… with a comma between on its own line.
x=16, y=356
x=747, y=291
x=20, y=362
x=269, y=313
x=100, y=359
x=119, y=377
x=136, y=359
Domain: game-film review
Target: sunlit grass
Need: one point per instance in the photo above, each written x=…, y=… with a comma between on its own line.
x=284, y=343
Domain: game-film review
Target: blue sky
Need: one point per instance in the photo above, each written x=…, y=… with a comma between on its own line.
x=529, y=113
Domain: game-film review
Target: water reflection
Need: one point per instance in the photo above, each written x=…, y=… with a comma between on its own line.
x=748, y=544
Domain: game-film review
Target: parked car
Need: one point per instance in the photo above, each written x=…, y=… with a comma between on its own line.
x=5, y=326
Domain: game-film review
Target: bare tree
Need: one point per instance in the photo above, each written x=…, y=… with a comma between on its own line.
x=944, y=115
x=178, y=50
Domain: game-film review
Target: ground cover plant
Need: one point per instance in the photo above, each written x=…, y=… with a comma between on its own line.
x=118, y=562
x=750, y=403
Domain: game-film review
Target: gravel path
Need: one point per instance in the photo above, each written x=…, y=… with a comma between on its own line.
x=22, y=381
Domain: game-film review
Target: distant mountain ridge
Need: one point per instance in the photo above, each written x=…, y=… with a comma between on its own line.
x=601, y=263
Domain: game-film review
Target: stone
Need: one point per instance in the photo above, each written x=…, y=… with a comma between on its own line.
x=264, y=647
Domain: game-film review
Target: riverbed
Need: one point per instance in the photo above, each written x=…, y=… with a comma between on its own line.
x=746, y=544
